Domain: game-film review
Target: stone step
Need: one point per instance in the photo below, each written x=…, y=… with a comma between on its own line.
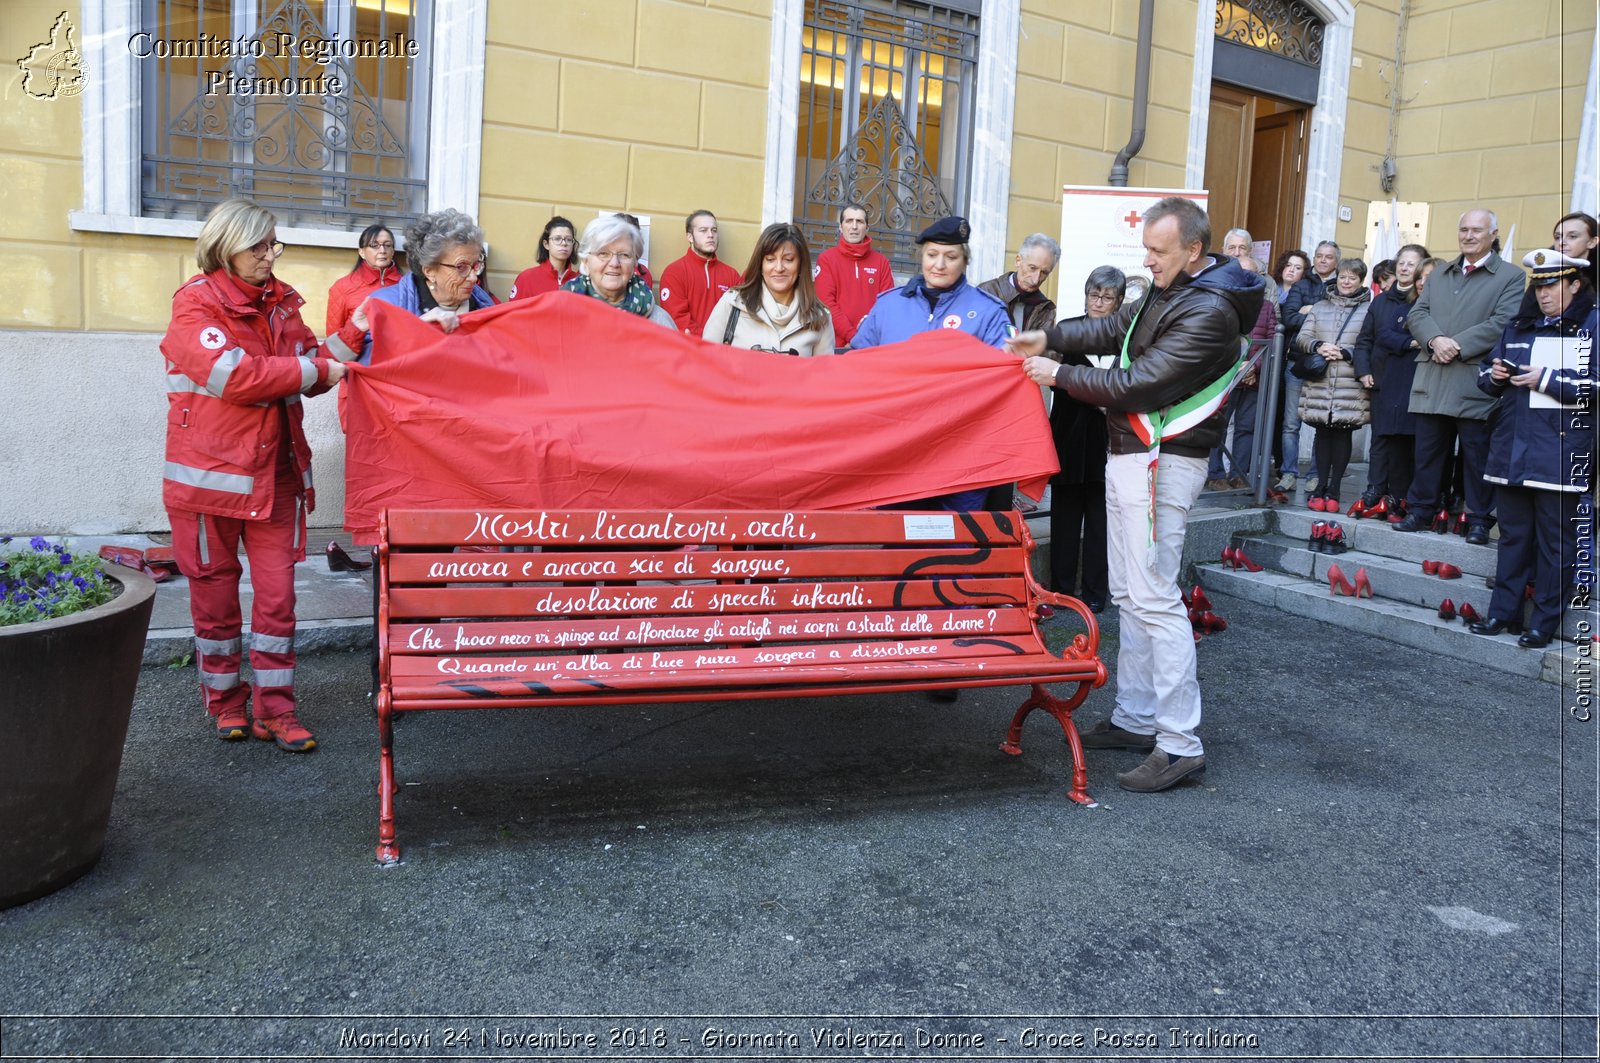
x=1391, y=578
x=1377, y=537
x=1405, y=625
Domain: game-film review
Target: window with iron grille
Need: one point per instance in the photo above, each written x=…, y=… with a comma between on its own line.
x=885, y=118
x=316, y=109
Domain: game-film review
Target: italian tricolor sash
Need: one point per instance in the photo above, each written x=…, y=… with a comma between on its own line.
x=1154, y=426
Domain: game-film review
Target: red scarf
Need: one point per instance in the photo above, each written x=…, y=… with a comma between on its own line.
x=861, y=250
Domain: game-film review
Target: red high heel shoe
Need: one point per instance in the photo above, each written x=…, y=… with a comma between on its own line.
x=1227, y=557
x=1380, y=508
x=1468, y=614
x=1357, y=510
x=1447, y=610
x=1430, y=568
x=1363, y=584
x=1242, y=560
x=1211, y=623
x=1338, y=584
x=1199, y=599
x=1460, y=526
x=1449, y=571
x=1441, y=522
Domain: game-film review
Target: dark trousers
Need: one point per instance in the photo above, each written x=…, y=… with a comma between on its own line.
x=1391, y=464
x=1436, y=437
x=1533, y=526
x=1244, y=430
x=1078, y=518
x=1330, y=451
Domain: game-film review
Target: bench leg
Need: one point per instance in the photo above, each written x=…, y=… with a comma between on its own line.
x=1061, y=709
x=387, y=851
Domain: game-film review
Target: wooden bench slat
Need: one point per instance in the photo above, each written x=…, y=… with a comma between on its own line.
x=704, y=660
x=613, y=566
x=730, y=681
x=427, y=602
x=534, y=527
x=488, y=637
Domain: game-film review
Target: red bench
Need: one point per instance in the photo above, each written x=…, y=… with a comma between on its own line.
x=626, y=607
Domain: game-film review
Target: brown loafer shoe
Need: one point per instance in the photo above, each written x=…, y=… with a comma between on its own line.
x=1160, y=772
x=1107, y=735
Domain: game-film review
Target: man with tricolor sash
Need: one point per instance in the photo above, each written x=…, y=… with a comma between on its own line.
x=1164, y=400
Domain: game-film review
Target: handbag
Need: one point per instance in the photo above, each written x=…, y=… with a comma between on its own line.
x=1309, y=365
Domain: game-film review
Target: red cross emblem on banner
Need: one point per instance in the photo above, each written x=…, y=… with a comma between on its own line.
x=1132, y=219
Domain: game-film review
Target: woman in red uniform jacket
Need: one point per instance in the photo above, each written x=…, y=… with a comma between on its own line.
x=238, y=468
x=374, y=269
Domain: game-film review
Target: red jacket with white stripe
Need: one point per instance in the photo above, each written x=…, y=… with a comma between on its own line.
x=238, y=360
x=691, y=286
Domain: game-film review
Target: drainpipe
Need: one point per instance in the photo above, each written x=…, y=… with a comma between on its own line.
x=1141, y=96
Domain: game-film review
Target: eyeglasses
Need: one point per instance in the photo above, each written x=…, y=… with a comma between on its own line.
x=619, y=257
x=562, y=240
x=1102, y=297
x=466, y=269
x=379, y=246
x=268, y=248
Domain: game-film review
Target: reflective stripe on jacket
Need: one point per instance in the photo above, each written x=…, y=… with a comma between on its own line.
x=236, y=369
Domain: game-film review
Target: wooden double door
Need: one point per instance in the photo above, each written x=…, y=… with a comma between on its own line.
x=1255, y=166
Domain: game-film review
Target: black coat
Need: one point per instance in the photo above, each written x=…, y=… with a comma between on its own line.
x=1385, y=350
x=1079, y=430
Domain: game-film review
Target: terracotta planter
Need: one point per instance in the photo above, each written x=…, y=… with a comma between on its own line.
x=64, y=705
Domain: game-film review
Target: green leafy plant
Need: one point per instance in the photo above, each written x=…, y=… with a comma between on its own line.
x=47, y=581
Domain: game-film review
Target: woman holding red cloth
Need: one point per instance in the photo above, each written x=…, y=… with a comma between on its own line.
x=238, y=467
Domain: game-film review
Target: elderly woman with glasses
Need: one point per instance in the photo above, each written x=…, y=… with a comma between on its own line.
x=238, y=468
x=446, y=252
x=608, y=252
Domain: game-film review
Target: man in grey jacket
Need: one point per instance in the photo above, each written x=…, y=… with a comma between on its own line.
x=1458, y=319
x=1163, y=416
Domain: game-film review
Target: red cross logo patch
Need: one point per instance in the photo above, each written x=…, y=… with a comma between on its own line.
x=952, y=321
x=211, y=338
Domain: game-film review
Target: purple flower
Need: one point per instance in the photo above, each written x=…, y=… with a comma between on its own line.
x=21, y=596
x=81, y=583
x=39, y=544
x=64, y=557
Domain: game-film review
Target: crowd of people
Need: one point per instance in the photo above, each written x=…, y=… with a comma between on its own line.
x=1448, y=361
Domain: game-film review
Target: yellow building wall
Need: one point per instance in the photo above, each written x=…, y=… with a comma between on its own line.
x=1074, y=103
x=655, y=107
x=1491, y=98
x=75, y=281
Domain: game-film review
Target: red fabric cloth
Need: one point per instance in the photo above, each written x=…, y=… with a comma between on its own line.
x=567, y=402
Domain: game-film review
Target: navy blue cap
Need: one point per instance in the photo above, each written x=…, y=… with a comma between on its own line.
x=951, y=230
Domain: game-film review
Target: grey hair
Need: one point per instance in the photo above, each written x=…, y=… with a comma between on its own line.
x=1353, y=265
x=1327, y=243
x=1040, y=240
x=430, y=236
x=605, y=230
x=1494, y=219
x=1236, y=232
x=1194, y=226
x=1107, y=277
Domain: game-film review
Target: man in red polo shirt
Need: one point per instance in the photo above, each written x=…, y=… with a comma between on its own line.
x=851, y=275
x=691, y=286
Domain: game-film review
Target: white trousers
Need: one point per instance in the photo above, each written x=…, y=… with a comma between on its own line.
x=1157, y=691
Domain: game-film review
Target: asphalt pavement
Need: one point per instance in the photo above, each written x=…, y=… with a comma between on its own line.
x=1390, y=856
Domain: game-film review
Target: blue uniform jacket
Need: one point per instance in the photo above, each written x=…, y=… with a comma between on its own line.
x=1550, y=448
x=902, y=313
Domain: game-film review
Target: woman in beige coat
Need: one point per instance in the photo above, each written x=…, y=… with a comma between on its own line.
x=775, y=308
x=1336, y=404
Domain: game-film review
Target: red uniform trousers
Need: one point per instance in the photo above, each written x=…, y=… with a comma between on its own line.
x=207, y=551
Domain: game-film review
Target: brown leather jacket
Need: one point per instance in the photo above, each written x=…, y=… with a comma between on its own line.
x=1186, y=336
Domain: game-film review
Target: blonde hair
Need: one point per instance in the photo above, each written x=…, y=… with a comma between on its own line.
x=233, y=225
